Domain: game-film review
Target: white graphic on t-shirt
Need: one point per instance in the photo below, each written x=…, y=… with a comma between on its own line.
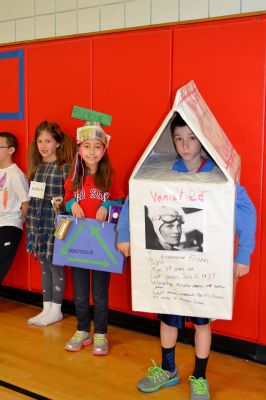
x=98, y=194
x=94, y=194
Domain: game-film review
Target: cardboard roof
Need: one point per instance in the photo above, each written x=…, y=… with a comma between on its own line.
x=191, y=106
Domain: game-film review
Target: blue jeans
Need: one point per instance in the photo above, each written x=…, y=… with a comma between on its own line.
x=100, y=285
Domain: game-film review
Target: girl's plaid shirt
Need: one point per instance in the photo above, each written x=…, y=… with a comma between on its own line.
x=41, y=216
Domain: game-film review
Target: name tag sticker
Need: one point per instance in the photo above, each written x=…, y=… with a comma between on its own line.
x=37, y=189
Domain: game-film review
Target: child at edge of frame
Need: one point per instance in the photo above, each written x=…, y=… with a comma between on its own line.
x=50, y=153
x=91, y=173
x=14, y=202
x=188, y=149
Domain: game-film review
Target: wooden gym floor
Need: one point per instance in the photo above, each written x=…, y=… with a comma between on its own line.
x=34, y=364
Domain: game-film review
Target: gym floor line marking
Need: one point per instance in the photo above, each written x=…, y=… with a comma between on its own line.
x=25, y=392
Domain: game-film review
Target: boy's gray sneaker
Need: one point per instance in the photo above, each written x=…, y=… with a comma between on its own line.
x=100, y=344
x=199, y=388
x=79, y=339
x=157, y=378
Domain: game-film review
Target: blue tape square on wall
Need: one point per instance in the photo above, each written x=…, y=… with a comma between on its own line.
x=20, y=55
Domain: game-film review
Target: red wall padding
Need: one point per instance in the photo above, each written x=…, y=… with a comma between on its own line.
x=133, y=76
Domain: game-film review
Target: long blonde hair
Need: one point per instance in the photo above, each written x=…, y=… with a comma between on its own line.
x=64, y=153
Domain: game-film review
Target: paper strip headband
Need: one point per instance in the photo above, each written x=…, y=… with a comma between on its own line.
x=90, y=115
x=92, y=131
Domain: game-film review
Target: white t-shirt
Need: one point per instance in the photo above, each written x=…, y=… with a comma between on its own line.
x=13, y=191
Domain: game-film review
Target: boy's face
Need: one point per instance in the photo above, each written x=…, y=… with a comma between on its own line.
x=5, y=153
x=186, y=143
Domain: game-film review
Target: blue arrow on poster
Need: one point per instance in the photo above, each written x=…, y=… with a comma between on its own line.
x=88, y=244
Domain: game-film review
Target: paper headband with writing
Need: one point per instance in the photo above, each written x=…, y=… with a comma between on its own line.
x=93, y=131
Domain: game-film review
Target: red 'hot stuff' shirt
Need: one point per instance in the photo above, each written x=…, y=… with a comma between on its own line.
x=91, y=198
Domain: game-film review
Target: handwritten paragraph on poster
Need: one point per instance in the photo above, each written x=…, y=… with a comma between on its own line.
x=184, y=277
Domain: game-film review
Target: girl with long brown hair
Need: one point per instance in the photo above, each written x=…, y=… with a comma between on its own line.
x=50, y=154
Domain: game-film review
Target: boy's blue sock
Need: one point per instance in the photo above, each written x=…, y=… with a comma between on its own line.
x=168, y=359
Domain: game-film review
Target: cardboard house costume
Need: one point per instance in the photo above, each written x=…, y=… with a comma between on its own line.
x=195, y=276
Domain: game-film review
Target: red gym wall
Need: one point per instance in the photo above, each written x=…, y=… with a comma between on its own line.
x=133, y=75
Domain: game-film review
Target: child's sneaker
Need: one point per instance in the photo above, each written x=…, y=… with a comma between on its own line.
x=100, y=344
x=199, y=388
x=157, y=378
x=79, y=339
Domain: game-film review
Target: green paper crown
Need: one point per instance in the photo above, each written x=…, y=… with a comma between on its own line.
x=90, y=115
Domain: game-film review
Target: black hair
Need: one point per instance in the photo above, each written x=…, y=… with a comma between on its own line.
x=10, y=139
x=177, y=122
